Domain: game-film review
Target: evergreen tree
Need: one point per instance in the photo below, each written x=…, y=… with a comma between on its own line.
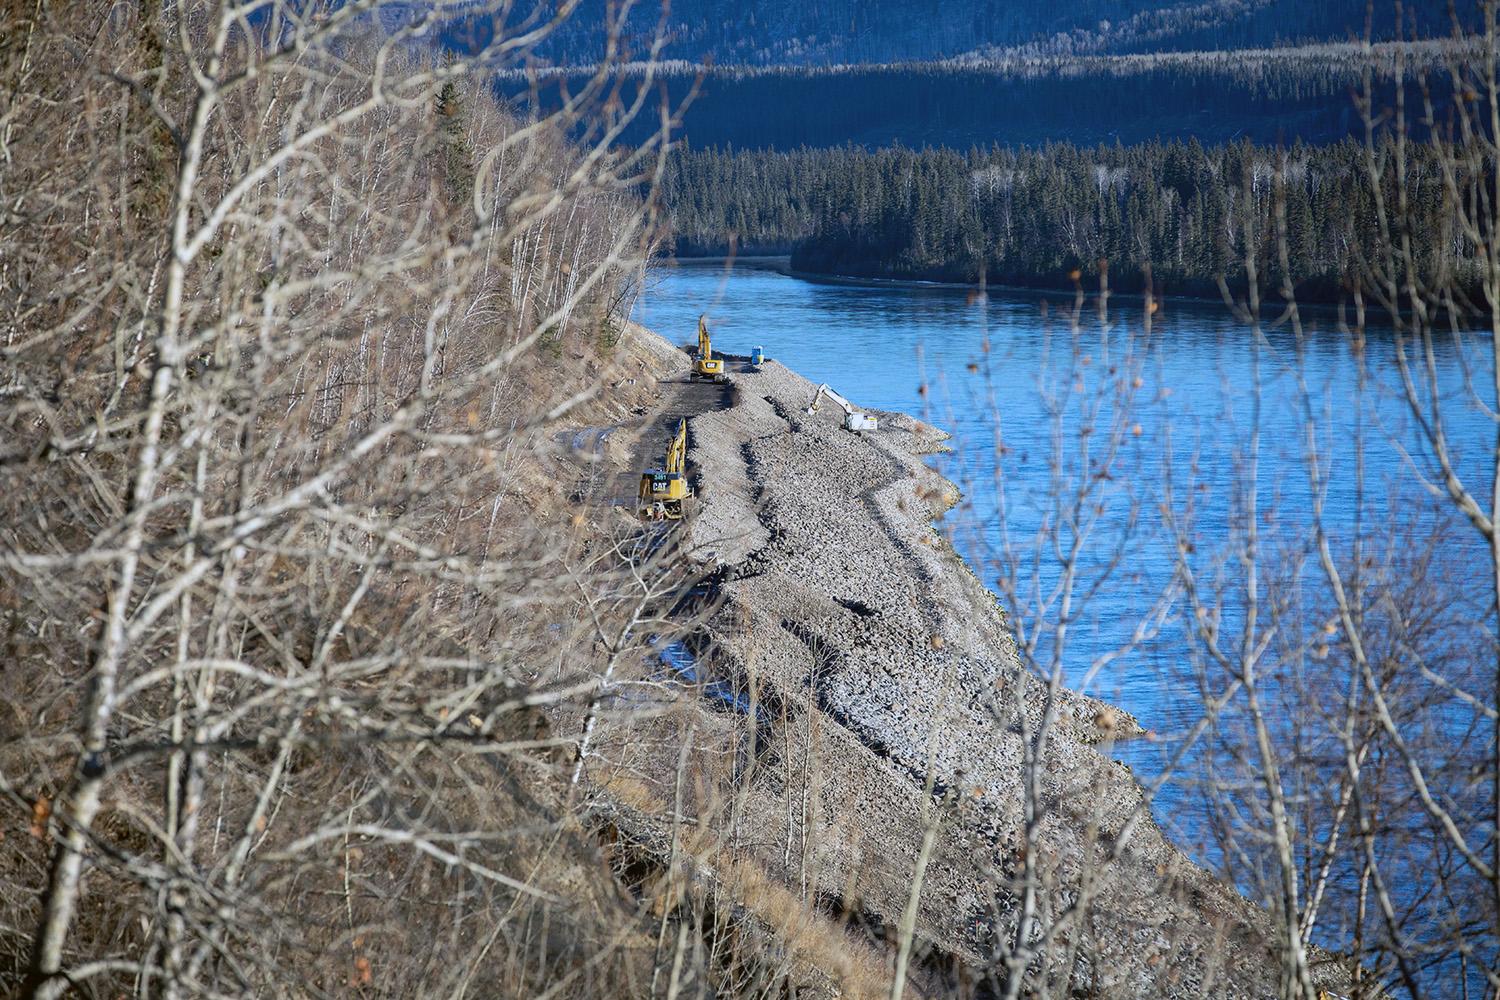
x=458, y=170
x=1031, y=216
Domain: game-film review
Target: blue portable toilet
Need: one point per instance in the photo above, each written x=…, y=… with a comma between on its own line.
x=757, y=355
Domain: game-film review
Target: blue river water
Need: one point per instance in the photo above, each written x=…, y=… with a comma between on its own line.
x=1111, y=469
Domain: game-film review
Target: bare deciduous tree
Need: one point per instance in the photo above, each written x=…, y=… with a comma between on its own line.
x=290, y=304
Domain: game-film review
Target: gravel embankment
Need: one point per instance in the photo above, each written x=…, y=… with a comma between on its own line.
x=880, y=664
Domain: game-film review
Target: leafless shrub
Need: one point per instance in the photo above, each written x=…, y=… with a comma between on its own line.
x=1341, y=660
x=1355, y=783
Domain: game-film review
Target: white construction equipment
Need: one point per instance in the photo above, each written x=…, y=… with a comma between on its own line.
x=854, y=420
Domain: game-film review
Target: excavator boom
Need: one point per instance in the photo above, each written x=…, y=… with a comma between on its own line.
x=677, y=450
x=854, y=419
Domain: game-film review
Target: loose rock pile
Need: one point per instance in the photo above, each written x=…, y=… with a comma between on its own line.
x=891, y=701
x=848, y=607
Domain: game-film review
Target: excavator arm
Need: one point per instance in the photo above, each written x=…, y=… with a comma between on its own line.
x=677, y=450
x=854, y=419
x=826, y=390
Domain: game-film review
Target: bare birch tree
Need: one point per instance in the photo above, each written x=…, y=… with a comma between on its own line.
x=1342, y=657
x=1354, y=775
x=290, y=302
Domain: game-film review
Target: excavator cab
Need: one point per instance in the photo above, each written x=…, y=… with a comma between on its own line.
x=706, y=367
x=663, y=490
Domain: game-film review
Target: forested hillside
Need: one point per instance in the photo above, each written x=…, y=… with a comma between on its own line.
x=1267, y=96
x=1034, y=217
x=830, y=32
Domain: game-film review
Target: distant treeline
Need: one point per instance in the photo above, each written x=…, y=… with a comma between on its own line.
x=1267, y=96
x=1033, y=217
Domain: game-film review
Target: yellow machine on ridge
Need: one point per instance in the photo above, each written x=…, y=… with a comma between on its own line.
x=706, y=367
x=662, y=492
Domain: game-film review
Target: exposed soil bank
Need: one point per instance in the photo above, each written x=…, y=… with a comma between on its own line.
x=880, y=668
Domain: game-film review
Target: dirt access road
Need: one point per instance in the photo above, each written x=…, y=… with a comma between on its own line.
x=612, y=457
x=681, y=399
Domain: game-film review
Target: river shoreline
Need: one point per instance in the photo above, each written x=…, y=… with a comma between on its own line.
x=885, y=708
x=781, y=264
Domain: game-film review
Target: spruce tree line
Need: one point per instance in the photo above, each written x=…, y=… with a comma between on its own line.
x=1038, y=217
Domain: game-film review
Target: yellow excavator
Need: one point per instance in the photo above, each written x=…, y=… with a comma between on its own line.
x=662, y=492
x=706, y=367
